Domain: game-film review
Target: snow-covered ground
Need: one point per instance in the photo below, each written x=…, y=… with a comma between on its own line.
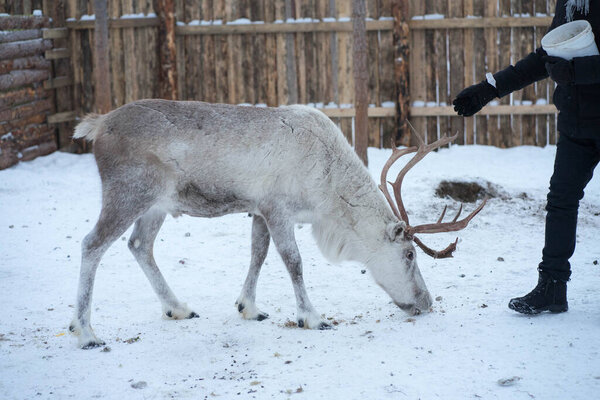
x=470, y=346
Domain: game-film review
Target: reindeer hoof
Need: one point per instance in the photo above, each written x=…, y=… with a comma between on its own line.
x=262, y=316
x=324, y=326
x=72, y=328
x=193, y=315
x=169, y=314
x=240, y=307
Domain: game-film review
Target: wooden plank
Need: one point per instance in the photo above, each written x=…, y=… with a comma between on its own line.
x=361, y=80
x=221, y=54
x=55, y=33
x=300, y=58
x=229, y=29
x=117, y=60
x=488, y=110
x=374, y=124
x=235, y=77
x=117, y=23
x=505, y=130
x=271, y=60
x=388, y=91
x=345, y=79
x=456, y=49
x=290, y=59
x=441, y=69
x=486, y=22
x=62, y=117
x=488, y=128
x=282, y=73
x=429, y=70
x=468, y=62
x=102, y=92
x=541, y=87
x=324, y=91
x=373, y=112
x=527, y=45
x=246, y=60
x=58, y=82
x=55, y=54
x=130, y=62
x=209, y=92
x=167, y=71
x=418, y=80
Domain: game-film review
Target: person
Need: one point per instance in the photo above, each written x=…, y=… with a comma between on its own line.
x=577, y=98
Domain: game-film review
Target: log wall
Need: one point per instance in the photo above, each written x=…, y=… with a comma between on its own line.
x=24, y=102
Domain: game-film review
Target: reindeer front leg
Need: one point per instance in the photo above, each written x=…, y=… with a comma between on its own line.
x=282, y=232
x=260, y=246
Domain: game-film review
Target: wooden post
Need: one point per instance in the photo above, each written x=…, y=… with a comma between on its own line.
x=361, y=79
x=167, y=55
x=401, y=71
x=101, y=68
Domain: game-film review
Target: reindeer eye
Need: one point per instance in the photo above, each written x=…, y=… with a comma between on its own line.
x=410, y=255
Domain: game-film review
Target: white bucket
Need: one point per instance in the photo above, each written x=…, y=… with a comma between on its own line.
x=573, y=39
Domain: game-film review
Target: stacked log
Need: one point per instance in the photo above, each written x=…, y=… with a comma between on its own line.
x=24, y=104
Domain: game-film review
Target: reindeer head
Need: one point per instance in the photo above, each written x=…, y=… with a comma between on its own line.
x=400, y=235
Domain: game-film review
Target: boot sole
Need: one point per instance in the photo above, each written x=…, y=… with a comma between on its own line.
x=525, y=309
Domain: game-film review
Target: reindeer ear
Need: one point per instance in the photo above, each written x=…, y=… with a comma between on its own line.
x=395, y=230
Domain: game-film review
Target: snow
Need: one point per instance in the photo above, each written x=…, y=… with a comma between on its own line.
x=37, y=13
x=470, y=346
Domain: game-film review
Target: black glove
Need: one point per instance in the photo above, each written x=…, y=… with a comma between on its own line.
x=560, y=70
x=473, y=98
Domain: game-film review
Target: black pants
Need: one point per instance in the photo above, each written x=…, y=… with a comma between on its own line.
x=573, y=168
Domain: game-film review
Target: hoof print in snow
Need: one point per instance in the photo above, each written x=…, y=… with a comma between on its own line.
x=509, y=381
x=92, y=344
x=139, y=385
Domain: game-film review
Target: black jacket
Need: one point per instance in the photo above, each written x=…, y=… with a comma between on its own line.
x=578, y=104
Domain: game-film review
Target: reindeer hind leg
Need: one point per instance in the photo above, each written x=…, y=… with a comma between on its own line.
x=141, y=244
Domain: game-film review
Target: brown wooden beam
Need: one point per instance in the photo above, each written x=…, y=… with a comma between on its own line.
x=101, y=66
x=401, y=70
x=533, y=109
x=361, y=79
x=115, y=23
x=485, y=22
x=62, y=117
x=167, y=55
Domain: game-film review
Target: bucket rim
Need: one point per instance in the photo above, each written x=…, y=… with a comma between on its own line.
x=586, y=28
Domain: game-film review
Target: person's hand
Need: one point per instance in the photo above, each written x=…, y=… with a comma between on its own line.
x=560, y=70
x=473, y=98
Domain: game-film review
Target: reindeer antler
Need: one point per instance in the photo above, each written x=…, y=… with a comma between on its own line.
x=421, y=151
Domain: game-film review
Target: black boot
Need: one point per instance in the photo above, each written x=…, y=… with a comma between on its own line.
x=550, y=294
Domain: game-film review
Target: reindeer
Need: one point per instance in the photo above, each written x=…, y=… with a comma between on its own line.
x=282, y=165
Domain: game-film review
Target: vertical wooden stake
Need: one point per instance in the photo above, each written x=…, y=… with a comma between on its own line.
x=401, y=71
x=101, y=68
x=361, y=79
x=167, y=54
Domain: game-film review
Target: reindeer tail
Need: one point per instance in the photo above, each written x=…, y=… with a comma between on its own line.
x=89, y=127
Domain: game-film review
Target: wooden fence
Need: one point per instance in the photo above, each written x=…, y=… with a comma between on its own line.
x=276, y=52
